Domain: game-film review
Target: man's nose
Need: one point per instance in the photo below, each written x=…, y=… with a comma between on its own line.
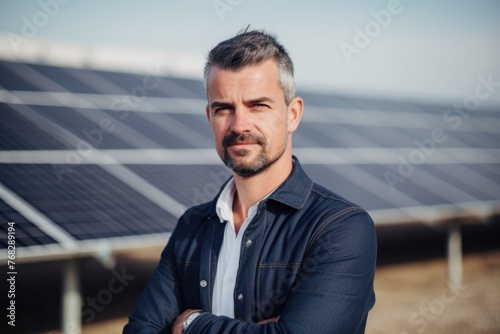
x=241, y=121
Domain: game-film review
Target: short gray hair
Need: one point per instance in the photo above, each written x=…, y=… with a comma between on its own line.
x=252, y=48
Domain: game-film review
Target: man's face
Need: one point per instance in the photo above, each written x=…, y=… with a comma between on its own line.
x=249, y=118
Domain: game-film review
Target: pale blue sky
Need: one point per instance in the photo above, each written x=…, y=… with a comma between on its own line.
x=432, y=49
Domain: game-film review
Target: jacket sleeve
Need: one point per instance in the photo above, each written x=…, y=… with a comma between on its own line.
x=333, y=291
x=160, y=303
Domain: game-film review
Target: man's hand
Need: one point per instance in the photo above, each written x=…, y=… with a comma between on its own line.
x=177, y=326
x=269, y=320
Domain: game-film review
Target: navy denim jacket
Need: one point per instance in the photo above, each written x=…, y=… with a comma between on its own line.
x=308, y=256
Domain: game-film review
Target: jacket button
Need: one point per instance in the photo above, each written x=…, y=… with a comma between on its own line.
x=249, y=243
x=240, y=297
x=203, y=283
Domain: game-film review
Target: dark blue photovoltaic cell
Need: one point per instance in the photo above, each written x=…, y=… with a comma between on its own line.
x=311, y=134
x=420, y=186
x=167, y=130
x=393, y=137
x=127, y=82
x=153, y=84
x=327, y=135
x=348, y=188
x=26, y=234
x=87, y=202
x=18, y=133
x=482, y=187
x=323, y=100
x=174, y=87
x=489, y=171
x=189, y=184
x=196, y=86
x=82, y=127
x=149, y=129
x=472, y=139
x=197, y=123
x=10, y=81
x=341, y=101
x=64, y=79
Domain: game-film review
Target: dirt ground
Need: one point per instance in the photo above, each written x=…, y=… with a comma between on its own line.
x=413, y=295
x=416, y=298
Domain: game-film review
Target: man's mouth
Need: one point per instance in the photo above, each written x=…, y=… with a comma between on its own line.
x=241, y=140
x=242, y=143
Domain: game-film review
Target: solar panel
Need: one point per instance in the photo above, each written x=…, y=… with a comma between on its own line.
x=101, y=82
x=330, y=122
x=65, y=78
x=334, y=179
x=10, y=81
x=477, y=183
x=94, y=161
x=26, y=233
x=83, y=127
x=154, y=127
x=88, y=202
x=18, y=133
x=190, y=184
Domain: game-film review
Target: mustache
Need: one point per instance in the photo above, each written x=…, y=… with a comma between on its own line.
x=234, y=138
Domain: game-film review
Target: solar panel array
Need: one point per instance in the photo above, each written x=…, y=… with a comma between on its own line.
x=27, y=234
x=91, y=156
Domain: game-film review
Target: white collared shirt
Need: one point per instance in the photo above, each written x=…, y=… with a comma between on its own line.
x=229, y=256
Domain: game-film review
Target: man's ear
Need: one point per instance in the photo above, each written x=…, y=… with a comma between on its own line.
x=295, y=109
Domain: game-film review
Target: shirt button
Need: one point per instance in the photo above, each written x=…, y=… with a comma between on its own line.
x=203, y=283
x=249, y=243
x=240, y=297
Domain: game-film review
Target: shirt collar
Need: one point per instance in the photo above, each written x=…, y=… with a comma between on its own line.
x=293, y=192
x=224, y=206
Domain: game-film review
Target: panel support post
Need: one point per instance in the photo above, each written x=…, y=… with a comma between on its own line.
x=454, y=253
x=71, y=318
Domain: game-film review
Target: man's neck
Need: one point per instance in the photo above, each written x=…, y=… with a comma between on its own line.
x=250, y=190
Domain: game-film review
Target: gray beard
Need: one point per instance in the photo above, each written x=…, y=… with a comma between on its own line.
x=260, y=164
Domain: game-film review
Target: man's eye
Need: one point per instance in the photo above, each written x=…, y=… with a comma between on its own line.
x=221, y=109
x=260, y=106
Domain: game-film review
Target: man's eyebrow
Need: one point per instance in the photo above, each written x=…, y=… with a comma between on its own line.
x=260, y=100
x=217, y=104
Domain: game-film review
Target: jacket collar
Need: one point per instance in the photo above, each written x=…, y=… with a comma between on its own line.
x=296, y=188
x=293, y=192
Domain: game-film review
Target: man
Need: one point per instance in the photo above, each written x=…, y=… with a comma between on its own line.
x=273, y=252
